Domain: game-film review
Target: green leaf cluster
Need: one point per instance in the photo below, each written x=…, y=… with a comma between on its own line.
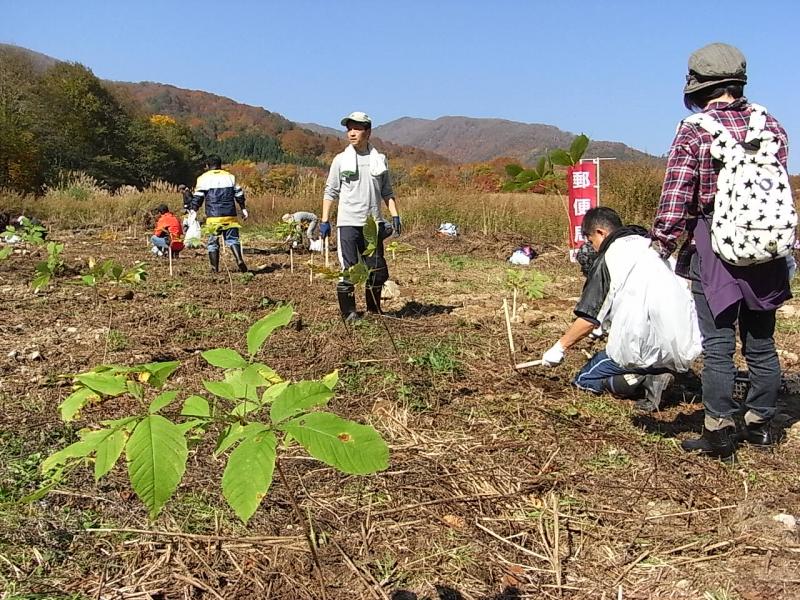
x=531, y=283
x=543, y=174
x=49, y=268
x=253, y=411
x=111, y=270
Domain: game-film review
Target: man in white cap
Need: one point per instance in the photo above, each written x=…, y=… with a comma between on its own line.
x=359, y=181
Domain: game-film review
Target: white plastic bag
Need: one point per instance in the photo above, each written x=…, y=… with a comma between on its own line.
x=315, y=245
x=653, y=321
x=519, y=258
x=191, y=238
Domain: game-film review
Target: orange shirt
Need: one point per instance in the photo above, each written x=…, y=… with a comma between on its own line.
x=169, y=223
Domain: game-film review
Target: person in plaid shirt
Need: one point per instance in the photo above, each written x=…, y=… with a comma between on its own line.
x=724, y=294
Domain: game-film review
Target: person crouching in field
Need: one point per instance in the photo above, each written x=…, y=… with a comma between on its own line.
x=306, y=227
x=221, y=194
x=168, y=233
x=359, y=181
x=646, y=309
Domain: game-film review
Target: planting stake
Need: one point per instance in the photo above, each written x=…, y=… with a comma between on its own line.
x=508, y=329
x=169, y=250
x=291, y=260
x=428, y=252
x=529, y=364
x=327, y=258
x=514, y=309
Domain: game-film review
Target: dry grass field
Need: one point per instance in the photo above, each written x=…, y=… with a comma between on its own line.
x=501, y=484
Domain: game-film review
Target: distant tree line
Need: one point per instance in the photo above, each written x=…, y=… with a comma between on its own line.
x=63, y=118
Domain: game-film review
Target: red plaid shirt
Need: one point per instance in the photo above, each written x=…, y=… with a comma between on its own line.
x=691, y=180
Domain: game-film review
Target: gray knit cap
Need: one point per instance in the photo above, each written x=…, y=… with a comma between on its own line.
x=715, y=64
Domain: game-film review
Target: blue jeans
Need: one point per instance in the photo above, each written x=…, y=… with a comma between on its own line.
x=230, y=236
x=597, y=375
x=160, y=242
x=756, y=330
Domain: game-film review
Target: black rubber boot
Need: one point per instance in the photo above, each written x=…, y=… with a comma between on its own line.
x=347, y=302
x=717, y=444
x=213, y=258
x=237, y=254
x=756, y=434
x=373, y=297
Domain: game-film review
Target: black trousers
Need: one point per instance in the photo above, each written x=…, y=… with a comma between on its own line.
x=351, y=245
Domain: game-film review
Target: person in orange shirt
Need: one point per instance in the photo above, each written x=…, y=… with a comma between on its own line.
x=167, y=234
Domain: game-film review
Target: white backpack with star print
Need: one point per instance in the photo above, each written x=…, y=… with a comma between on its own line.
x=754, y=219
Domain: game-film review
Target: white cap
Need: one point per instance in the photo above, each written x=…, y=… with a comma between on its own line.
x=358, y=117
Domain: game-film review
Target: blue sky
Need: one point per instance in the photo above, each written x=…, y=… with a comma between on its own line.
x=613, y=70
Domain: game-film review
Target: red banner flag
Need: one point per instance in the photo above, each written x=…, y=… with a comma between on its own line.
x=582, y=185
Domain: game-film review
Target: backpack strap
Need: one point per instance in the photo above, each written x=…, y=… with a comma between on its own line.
x=757, y=123
x=724, y=146
x=709, y=123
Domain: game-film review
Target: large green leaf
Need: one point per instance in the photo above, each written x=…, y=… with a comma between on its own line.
x=299, y=397
x=221, y=389
x=224, y=358
x=252, y=376
x=268, y=373
x=233, y=433
x=245, y=408
x=370, y=236
x=248, y=474
x=83, y=447
x=109, y=385
x=160, y=371
x=260, y=330
x=561, y=157
x=196, y=406
x=73, y=403
x=357, y=274
x=108, y=452
x=274, y=391
x=348, y=446
x=162, y=400
x=331, y=379
x=156, y=454
x=578, y=147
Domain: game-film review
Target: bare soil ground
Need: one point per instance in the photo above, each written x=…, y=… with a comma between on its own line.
x=501, y=484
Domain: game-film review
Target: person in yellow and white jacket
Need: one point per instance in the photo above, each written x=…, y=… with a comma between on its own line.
x=218, y=189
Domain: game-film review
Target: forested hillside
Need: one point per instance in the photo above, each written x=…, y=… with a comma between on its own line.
x=58, y=117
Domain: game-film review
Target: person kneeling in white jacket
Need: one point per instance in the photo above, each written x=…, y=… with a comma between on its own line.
x=644, y=307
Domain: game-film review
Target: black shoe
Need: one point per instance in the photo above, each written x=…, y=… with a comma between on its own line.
x=347, y=302
x=654, y=386
x=237, y=254
x=213, y=258
x=717, y=444
x=757, y=434
x=373, y=297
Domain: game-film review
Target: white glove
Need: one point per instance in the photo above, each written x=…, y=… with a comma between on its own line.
x=245, y=214
x=192, y=216
x=553, y=356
